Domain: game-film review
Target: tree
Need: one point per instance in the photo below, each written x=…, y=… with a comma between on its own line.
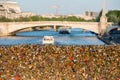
x=98, y=18
x=22, y=19
x=4, y=19
x=114, y=16
x=35, y=18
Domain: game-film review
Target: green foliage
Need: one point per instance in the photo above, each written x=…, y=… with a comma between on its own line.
x=98, y=18
x=93, y=20
x=71, y=18
x=35, y=18
x=3, y=19
x=39, y=18
x=22, y=19
x=114, y=16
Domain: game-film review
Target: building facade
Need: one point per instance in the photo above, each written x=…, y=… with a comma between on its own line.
x=86, y=15
x=10, y=9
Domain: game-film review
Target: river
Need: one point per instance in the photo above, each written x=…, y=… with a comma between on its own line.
x=76, y=37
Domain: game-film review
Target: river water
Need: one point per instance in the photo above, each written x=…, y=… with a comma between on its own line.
x=76, y=37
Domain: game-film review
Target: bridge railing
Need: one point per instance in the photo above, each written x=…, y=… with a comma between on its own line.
x=50, y=22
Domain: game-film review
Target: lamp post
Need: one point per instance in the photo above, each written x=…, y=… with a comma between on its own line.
x=103, y=19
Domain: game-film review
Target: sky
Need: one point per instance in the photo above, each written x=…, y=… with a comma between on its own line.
x=66, y=6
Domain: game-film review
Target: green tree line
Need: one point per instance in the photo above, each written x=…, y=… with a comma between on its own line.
x=39, y=18
x=112, y=15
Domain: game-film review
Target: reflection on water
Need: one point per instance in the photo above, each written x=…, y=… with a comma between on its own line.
x=77, y=37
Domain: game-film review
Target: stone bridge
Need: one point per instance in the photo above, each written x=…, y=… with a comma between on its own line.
x=112, y=27
x=6, y=28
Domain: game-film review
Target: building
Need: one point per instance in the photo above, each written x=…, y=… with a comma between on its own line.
x=10, y=9
x=86, y=15
x=91, y=14
x=27, y=14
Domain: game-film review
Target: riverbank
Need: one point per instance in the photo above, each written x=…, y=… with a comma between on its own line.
x=36, y=62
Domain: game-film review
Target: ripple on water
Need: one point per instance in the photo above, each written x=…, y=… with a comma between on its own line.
x=79, y=41
x=77, y=37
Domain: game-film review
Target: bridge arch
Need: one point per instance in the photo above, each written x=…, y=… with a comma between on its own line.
x=41, y=27
x=111, y=28
x=51, y=27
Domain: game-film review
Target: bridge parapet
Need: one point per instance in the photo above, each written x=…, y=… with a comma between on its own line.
x=9, y=27
x=43, y=22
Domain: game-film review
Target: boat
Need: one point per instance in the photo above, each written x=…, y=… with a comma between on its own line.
x=64, y=31
x=48, y=40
